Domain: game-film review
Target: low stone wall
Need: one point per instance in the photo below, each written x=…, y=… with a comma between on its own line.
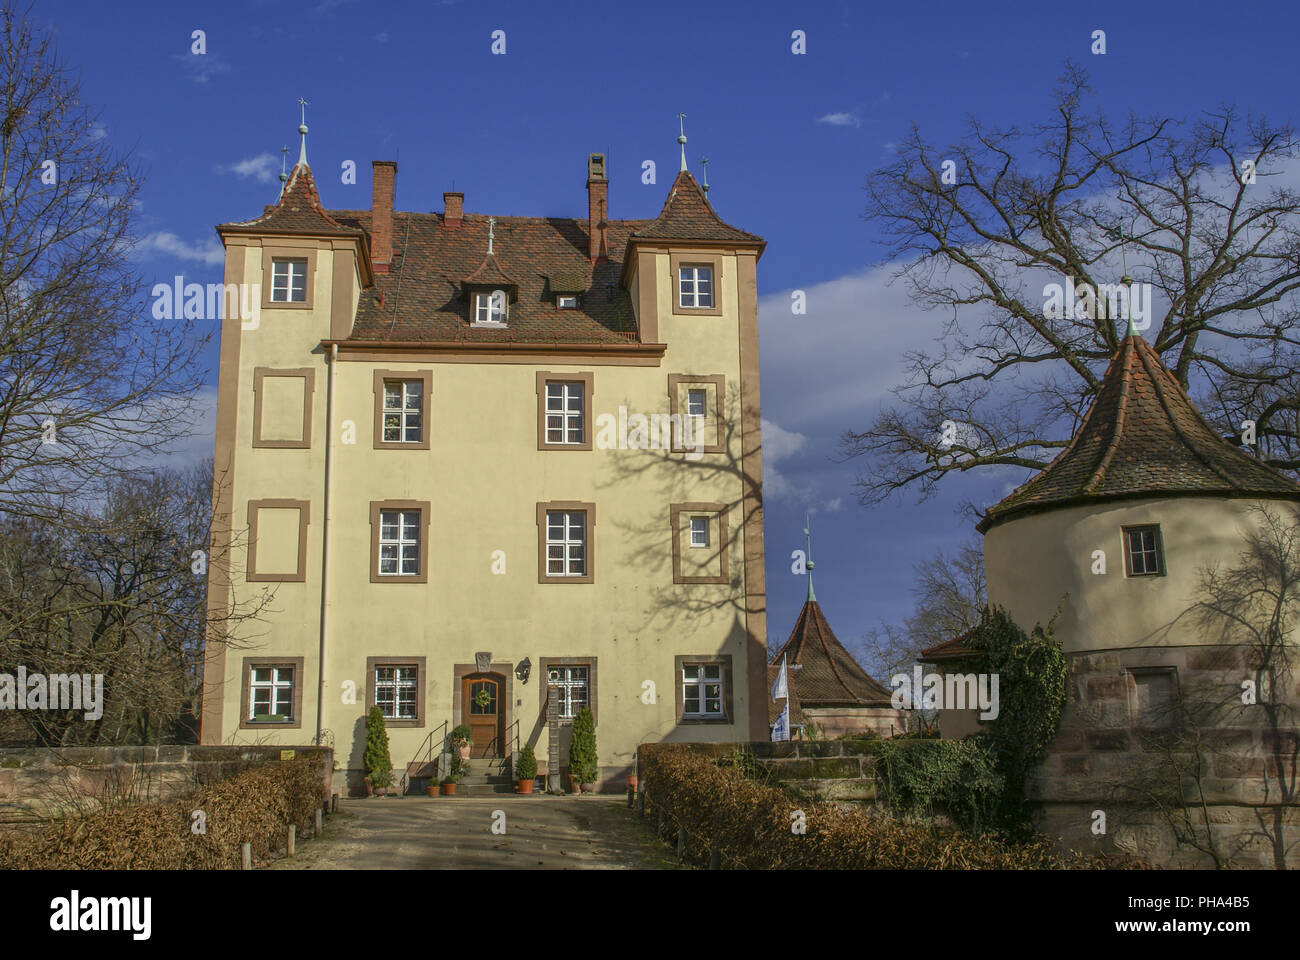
x=38, y=782
x=841, y=770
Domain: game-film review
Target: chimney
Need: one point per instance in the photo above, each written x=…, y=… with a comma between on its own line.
x=453, y=210
x=383, y=189
x=597, y=198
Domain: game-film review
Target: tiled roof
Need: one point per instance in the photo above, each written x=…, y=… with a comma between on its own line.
x=827, y=675
x=298, y=211
x=954, y=649
x=687, y=216
x=1141, y=437
x=422, y=297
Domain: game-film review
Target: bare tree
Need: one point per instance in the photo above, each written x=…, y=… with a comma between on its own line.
x=1197, y=210
x=89, y=380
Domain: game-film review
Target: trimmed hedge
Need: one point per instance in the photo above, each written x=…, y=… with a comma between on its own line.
x=749, y=825
x=254, y=807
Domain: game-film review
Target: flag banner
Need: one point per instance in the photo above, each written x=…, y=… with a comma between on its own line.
x=779, y=688
x=781, y=729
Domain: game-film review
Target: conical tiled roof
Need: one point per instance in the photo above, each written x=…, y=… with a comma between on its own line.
x=687, y=216
x=827, y=675
x=298, y=211
x=1141, y=437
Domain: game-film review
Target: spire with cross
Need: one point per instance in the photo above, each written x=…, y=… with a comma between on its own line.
x=302, y=129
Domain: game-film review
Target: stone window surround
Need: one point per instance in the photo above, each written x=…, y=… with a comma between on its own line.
x=544, y=665
x=550, y=376
x=696, y=258
x=260, y=374
x=719, y=510
x=304, y=520
x=728, y=688
x=245, y=698
x=419, y=664
x=568, y=506
x=719, y=381
x=426, y=425
x=287, y=249
x=375, y=507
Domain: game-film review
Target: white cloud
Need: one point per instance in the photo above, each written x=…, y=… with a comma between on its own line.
x=261, y=168
x=202, y=67
x=841, y=119
x=162, y=243
x=381, y=37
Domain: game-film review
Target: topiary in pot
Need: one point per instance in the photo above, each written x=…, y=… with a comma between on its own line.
x=526, y=769
x=582, y=750
x=377, y=762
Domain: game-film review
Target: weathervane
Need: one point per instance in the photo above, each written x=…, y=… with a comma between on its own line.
x=284, y=177
x=492, y=222
x=681, y=138
x=1116, y=233
x=704, y=162
x=807, y=532
x=302, y=129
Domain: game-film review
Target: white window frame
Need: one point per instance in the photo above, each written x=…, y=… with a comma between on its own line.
x=701, y=682
x=560, y=397
x=561, y=549
x=278, y=687
x=485, y=315
x=408, y=536
x=690, y=278
x=567, y=301
x=282, y=281
x=699, y=531
x=389, y=691
x=566, y=678
x=405, y=413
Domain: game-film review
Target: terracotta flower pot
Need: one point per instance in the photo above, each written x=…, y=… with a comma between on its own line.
x=526, y=786
x=574, y=787
x=632, y=782
x=370, y=787
x=464, y=751
x=449, y=789
x=588, y=788
x=432, y=789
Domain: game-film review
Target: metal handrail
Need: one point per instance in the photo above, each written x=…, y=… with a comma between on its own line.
x=425, y=748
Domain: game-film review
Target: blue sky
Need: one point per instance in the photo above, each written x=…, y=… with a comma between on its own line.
x=790, y=139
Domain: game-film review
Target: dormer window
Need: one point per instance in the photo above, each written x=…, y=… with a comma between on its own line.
x=490, y=307
x=696, y=286
x=567, y=301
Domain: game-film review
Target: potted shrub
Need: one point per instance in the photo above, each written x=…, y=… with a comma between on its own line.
x=462, y=740
x=527, y=769
x=449, y=785
x=377, y=762
x=582, y=751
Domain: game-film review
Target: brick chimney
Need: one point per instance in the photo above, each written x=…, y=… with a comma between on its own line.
x=453, y=210
x=597, y=198
x=383, y=190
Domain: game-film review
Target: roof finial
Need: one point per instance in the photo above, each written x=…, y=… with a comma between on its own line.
x=1117, y=233
x=302, y=129
x=284, y=177
x=808, y=538
x=704, y=162
x=681, y=117
x=492, y=222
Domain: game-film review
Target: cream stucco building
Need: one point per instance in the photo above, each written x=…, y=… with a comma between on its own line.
x=474, y=459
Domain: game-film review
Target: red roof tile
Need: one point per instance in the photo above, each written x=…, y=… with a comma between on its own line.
x=298, y=211
x=827, y=675
x=1141, y=437
x=687, y=215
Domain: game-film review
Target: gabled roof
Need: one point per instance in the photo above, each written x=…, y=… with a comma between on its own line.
x=687, y=216
x=827, y=674
x=1141, y=437
x=954, y=649
x=298, y=211
x=489, y=274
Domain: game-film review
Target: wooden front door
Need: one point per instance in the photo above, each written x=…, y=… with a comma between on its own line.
x=482, y=710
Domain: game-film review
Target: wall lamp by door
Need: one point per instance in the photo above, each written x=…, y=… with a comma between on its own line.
x=522, y=669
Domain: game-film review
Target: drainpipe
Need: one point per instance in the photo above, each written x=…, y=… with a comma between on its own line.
x=325, y=543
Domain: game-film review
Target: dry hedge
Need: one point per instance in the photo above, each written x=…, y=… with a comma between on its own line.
x=254, y=807
x=749, y=824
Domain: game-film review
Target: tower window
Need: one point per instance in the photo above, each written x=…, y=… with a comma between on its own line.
x=567, y=302
x=1144, y=554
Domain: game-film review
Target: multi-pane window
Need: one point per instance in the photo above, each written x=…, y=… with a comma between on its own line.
x=697, y=403
x=695, y=285
x=289, y=281
x=490, y=307
x=1143, y=551
x=270, y=697
x=403, y=411
x=702, y=690
x=565, y=413
x=566, y=543
x=573, y=689
x=699, y=531
x=395, y=692
x=399, y=542
x=566, y=302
